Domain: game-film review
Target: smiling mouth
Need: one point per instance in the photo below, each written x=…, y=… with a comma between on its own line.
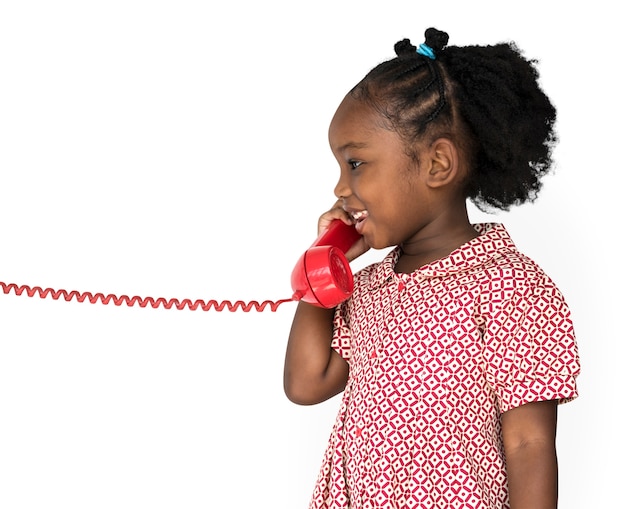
x=358, y=217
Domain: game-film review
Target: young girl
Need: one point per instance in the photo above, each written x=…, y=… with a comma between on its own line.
x=454, y=351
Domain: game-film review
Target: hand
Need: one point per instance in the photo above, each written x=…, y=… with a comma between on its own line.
x=337, y=212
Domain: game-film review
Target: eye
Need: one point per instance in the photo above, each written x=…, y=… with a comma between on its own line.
x=354, y=164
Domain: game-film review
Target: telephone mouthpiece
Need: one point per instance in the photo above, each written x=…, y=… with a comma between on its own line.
x=322, y=277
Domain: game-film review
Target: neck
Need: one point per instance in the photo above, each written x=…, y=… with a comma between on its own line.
x=428, y=246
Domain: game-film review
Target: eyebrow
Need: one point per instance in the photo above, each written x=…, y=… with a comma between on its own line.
x=351, y=144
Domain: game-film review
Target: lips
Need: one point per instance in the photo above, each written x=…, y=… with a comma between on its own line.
x=359, y=217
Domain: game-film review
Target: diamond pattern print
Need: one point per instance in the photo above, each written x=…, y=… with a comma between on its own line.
x=435, y=357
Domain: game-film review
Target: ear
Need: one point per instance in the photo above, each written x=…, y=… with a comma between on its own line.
x=444, y=163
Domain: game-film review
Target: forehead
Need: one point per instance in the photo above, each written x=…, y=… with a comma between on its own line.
x=355, y=121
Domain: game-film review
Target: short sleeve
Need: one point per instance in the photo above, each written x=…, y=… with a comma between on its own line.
x=530, y=347
x=341, y=333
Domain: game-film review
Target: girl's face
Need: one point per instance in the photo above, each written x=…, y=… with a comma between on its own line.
x=383, y=189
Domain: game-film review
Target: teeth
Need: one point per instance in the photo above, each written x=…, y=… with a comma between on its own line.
x=361, y=214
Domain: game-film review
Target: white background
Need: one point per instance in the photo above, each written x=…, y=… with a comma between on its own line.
x=178, y=149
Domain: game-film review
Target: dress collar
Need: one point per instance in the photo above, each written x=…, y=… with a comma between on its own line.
x=493, y=240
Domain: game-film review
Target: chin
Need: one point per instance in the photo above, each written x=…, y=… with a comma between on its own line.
x=375, y=243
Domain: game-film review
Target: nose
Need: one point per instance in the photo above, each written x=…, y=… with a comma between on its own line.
x=342, y=189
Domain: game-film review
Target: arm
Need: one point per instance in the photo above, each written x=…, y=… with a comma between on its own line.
x=314, y=372
x=529, y=434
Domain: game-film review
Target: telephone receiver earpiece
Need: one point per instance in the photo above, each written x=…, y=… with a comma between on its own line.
x=322, y=275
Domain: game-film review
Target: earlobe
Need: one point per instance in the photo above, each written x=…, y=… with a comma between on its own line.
x=444, y=162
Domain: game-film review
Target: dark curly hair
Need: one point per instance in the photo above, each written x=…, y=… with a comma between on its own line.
x=486, y=98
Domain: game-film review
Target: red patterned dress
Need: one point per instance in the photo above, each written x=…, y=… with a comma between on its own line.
x=435, y=357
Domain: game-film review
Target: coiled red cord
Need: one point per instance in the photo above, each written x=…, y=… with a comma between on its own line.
x=141, y=301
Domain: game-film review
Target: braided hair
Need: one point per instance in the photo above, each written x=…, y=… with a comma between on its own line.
x=485, y=98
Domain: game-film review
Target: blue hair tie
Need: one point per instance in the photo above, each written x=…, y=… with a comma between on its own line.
x=427, y=51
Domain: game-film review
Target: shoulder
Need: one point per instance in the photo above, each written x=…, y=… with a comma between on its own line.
x=503, y=261
x=514, y=287
x=500, y=273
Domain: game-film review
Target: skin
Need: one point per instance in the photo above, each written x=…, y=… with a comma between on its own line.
x=417, y=203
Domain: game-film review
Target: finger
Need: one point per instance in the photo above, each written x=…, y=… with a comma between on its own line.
x=357, y=249
x=329, y=216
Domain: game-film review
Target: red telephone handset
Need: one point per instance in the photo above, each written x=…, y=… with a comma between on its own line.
x=322, y=275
